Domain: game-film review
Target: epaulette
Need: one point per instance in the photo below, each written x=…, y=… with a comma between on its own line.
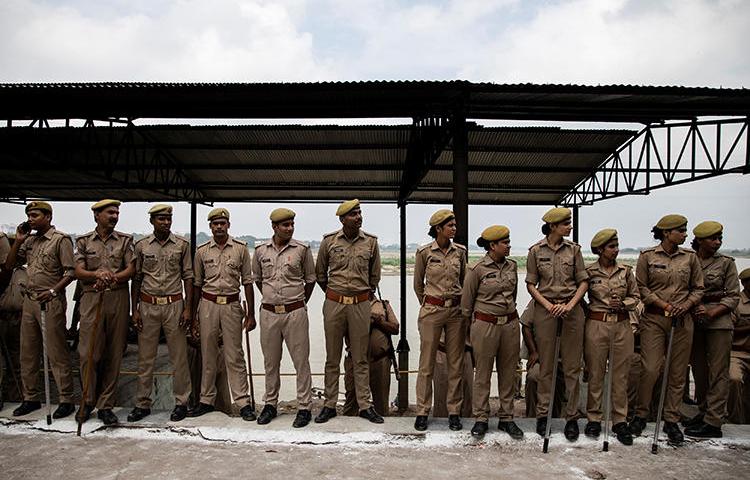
x=87, y=234
x=650, y=249
x=330, y=234
x=203, y=244
x=463, y=247
x=127, y=235
x=508, y=259
x=687, y=250
x=368, y=234
x=423, y=247
x=301, y=244
x=182, y=238
x=238, y=241
x=592, y=264
x=571, y=242
x=472, y=266
x=142, y=239
x=537, y=244
x=65, y=235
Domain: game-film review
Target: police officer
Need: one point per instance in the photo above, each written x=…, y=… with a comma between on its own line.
x=489, y=301
x=284, y=271
x=104, y=264
x=221, y=265
x=712, y=337
x=556, y=279
x=49, y=254
x=348, y=270
x=738, y=403
x=613, y=293
x=163, y=267
x=671, y=284
x=439, y=270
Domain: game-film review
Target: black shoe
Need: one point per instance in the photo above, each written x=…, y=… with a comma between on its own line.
x=703, y=430
x=267, y=414
x=371, y=415
x=571, y=430
x=479, y=429
x=637, y=425
x=248, y=413
x=107, y=417
x=420, y=423
x=511, y=429
x=673, y=433
x=302, y=419
x=179, y=412
x=82, y=416
x=26, y=407
x=623, y=433
x=454, y=423
x=696, y=420
x=138, y=413
x=201, y=409
x=325, y=414
x=541, y=426
x=63, y=410
x=592, y=429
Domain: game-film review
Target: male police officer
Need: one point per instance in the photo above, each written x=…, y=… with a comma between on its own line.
x=49, y=254
x=284, y=271
x=104, y=264
x=162, y=266
x=348, y=270
x=221, y=265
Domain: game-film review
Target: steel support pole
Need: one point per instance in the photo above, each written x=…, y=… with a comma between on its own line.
x=193, y=224
x=576, y=223
x=403, y=343
x=461, y=179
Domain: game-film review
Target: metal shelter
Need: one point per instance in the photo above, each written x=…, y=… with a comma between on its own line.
x=86, y=141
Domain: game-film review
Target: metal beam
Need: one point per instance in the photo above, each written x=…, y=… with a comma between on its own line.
x=403, y=343
x=428, y=139
x=460, y=178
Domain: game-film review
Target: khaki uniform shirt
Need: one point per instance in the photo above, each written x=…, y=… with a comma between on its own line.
x=490, y=287
x=720, y=278
x=160, y=268
x=603, y=285
x=113, y=254
x=49, y=258
x=741, y=341
x=349, y=267
x=283, y=273
x=439, y=274
x=221, y=271
x=4, y=247
x=673, y=278
x=556, y=272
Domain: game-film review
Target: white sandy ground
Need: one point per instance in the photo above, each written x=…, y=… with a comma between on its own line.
x=217, y=446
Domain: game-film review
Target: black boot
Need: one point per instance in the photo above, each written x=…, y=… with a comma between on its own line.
x=267, y=414
x=248, y=413
x=107, y=417
x=420, y=423
x=179, y=412
x=623, y=433
x=454, y=423
x=26, y=407
x=84, y=414
x=571, y=430
x=63, y=410
x=593, y=429
x=637, y=425
x=511, y=429
x=673, y=433
x=696, y=420
x=371, y=415
x=703, y=430
x=325, y=414
x=302, y=419
x=201, y=409
x=479, y=429
x=541, y=426
x=138, y=413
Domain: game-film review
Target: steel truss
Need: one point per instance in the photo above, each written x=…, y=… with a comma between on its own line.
x=662, y=155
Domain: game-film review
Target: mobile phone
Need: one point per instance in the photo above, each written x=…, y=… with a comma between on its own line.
x=25, y=227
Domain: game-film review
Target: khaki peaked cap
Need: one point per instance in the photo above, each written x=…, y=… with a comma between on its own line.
x=102, y=204
x=441, y=216
x=602, y=237
x=39, y=205
x=557, y=215
x=281, y=215
x=160, y=209
x=671, y=221
x=347, y=207
x=218, y=213
x=707, y=229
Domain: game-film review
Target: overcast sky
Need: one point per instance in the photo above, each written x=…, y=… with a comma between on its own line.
x=643, y=42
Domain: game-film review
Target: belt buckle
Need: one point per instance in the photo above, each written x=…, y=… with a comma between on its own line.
x=347, y=300
x=501, y=320
x=221, y=299
x=162, y=300
x=667, y=314
x=448, y=302
x=279, y=309
x=610, y=317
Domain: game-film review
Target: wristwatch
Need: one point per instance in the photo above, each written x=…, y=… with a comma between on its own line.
x=53, y=292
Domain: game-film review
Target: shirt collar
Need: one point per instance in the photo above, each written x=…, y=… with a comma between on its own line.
x=434, y=246
x=212, y=242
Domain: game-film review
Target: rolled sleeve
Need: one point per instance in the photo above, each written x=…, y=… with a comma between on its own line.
x=375, y=266
x=257, y=273
x=187, y=263
x=321, y=266
x=247, y=268
x=80, y=252
x=198, y=274
x=532, y=274
x=67, y=260
x=696, y=281
x=641, y=277
x=632, y=297
x=731, y=287
x=580, y=269
x=419, y=270
x=471, y=282
x=308, y=267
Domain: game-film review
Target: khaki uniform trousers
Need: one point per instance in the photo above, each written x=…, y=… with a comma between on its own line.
x=10, y=336
x=571, y=357
x=57, y=349
x=654, y=340
x=495, y=345
x=738, y=400
x=353, y=322
x=440, y=385
x=293, y=329
x=109, y=344
x=530, y=389
x=380, y=386
x=226, y=320
x=710, y=363
x=432, y=321
x=155, y=317
x=596, y=354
